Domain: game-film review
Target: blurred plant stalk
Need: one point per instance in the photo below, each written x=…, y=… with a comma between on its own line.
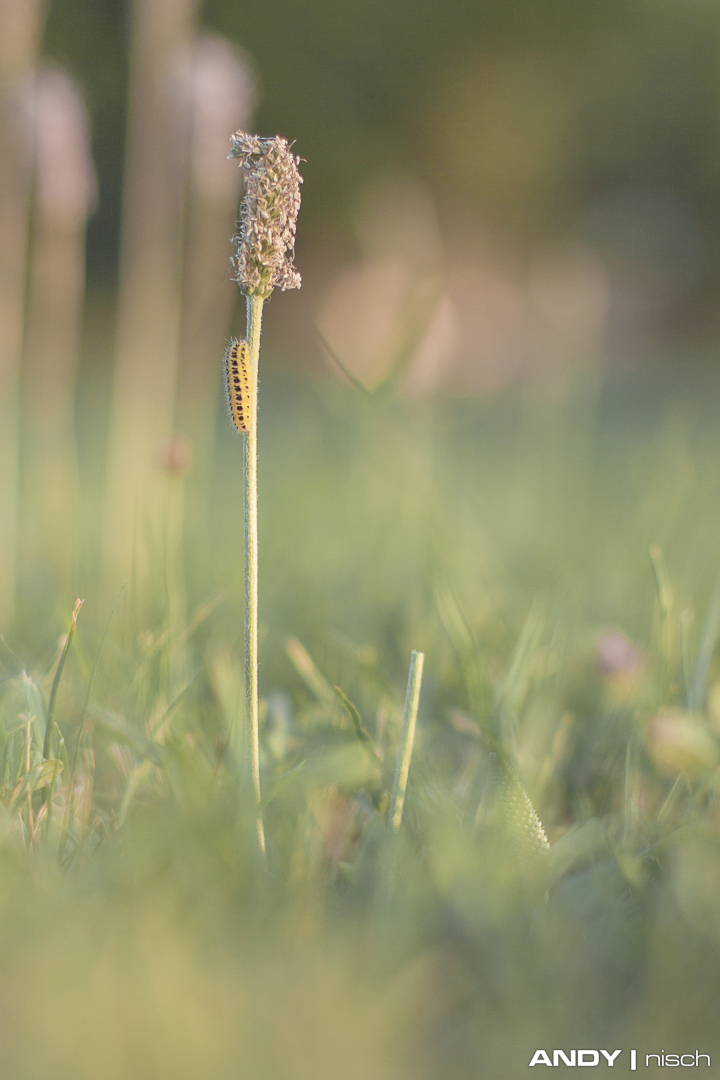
x=65, y=194
x=148, y=318
x=20, y=29
x=175, y=461
x=221, y=92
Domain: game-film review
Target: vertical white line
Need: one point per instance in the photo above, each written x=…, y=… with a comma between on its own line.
x=633, y=1059
x=407, y=736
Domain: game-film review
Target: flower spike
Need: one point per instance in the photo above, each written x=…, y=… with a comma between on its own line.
x=264, y=247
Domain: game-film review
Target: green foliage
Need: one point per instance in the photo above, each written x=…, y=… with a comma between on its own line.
x=504, y=540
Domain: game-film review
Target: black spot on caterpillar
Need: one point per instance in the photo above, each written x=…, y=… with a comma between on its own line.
x=239, y=385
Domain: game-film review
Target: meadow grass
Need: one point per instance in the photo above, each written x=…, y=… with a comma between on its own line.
x=142, y=935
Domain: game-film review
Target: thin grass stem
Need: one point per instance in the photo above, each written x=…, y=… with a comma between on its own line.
x=407, y=738
x=28, y=791
x=81, y=727
x=47, y=747
x=254, y=323
x=665, y=603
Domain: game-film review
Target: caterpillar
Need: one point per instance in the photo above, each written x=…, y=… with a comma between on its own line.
x=240, y=390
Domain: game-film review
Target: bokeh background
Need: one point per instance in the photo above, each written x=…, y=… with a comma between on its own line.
x=496, y=194
x=534, y=133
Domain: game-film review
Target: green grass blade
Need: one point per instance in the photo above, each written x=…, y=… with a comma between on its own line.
x=361, y=733
x=52, y=704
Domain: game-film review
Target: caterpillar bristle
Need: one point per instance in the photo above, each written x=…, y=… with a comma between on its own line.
x=239, y=382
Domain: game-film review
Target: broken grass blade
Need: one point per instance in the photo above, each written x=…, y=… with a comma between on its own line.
x=407, y=737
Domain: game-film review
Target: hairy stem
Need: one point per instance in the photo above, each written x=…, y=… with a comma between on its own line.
x=254, y=322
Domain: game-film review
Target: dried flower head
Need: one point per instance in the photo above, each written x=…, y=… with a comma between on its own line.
x=264, y=247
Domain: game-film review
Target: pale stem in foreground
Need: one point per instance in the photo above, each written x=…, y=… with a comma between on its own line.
x=407, y=737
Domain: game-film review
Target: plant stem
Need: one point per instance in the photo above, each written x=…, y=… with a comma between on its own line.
x=254, y=322
x=47, y=747
x=407, y=737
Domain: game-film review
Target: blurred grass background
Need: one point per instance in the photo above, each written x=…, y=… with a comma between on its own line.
x=509, y=233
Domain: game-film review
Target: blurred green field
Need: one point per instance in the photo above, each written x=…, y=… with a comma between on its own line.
x=509, y=540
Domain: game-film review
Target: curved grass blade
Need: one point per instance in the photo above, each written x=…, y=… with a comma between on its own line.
x=346, y=371
x=373, y=787
x=83, y=714
x=52, y=704
x=361, y=732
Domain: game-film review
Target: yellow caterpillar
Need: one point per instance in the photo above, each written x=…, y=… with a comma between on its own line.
x=240, y=390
